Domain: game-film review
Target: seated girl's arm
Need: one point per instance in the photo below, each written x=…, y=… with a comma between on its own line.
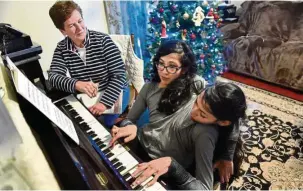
x=128, y=129
x=225, y=151
x=205, y=138
x=138, y=107
x=227, y=145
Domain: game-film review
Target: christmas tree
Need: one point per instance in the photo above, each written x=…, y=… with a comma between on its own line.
x=197, y=23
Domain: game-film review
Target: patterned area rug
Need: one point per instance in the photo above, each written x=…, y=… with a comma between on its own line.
x=273, y=146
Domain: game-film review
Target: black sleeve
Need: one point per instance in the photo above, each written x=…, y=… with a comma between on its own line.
x=226, y=145
x=183, y=179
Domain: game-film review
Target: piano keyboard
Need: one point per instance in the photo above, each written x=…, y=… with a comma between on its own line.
x=118, y=158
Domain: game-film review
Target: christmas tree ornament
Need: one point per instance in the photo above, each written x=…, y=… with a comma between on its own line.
x=205, y=3
x=216, y=16
x=161, y=10
x=193, y=36
x=173, y=8
x=185, y=16
x=177, y=24
x=211, y=12
x=163, y=29
x=183, y=34
x=203, y=35
x=198, y=16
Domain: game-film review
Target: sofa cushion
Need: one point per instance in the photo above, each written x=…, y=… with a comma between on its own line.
x=272, y=19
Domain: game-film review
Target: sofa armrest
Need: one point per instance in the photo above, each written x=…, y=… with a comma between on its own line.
x=232, y=31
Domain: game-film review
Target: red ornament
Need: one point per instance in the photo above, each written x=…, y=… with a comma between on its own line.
x=211, y=12
x=152, y=20
x=163, y=29
x=183, y=34
x=202, y=56
x=174, y=7
x=161, y=10
x=193, y=36
x=216, y=16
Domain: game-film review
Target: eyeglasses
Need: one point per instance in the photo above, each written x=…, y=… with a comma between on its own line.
x=169, y=69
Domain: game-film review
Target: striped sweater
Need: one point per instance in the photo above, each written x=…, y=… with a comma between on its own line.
x=103, y=65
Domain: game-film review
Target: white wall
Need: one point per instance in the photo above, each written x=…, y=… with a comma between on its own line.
x=31, y=17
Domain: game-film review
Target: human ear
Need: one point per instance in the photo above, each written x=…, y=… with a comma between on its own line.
x=224, y=123
x=63, y=32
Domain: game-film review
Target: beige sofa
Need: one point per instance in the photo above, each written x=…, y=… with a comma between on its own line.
x=29, y=159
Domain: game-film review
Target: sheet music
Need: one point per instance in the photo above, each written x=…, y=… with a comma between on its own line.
x=30, y=92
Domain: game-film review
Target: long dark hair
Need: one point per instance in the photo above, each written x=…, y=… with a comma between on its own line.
x=227, y=102
x=179, y=91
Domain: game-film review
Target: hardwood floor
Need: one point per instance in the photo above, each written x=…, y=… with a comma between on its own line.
x=264, y=85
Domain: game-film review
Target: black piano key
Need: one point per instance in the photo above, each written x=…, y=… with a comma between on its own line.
x=109, y=155
x=68, y=107
x=117, y=165
x=121, y=168
x=113, y=161
x=85, y=128
x=126, y=176
x=78, y=119
x=90, y=133
x=138, y=187
x=102, y=146
x=98, y=139
x=84, y=124
x=131, y=180
x=94, y=135
x=98, y=142
x=106, y=151
x=73, y=115
x=72, y=111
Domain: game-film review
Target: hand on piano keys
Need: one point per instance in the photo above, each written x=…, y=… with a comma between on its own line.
x=117, y=157
x=154, y=168
x=128, y=132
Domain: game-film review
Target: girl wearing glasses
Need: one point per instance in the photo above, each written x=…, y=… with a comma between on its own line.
x=170, y=99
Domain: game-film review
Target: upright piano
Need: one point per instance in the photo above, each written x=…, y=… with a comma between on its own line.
x=22, y=51
x=90, y=165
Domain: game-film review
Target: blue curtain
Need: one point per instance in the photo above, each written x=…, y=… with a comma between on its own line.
x=129, y=17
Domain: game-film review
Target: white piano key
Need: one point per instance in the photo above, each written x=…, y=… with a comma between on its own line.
x=155, y=187
x=117, y=150
x=144, y=183
x=126, y=158
x=147, y=181
x=130, y=172
x=128, y=167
